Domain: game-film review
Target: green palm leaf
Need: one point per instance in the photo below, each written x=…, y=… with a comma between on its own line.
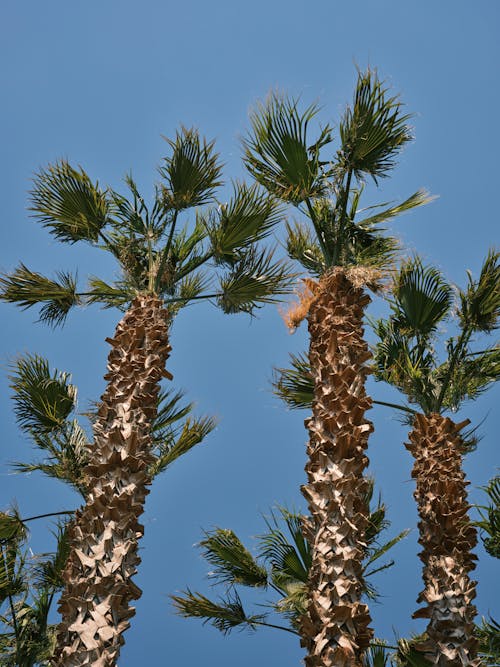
x=480, y=302
x=118, y=295
x=170, y=449
x=233, y=563
x=302, y=246
x=422, y=298
x=254, y=279
x=373, y=131
x=278, y=153
x=225, y=615
x=295, y=385
x=66, y=201
x=191, y=172
x=419, y=198
x=26, y=288
x=248, y=217
x=488, y=634
x=42, y=400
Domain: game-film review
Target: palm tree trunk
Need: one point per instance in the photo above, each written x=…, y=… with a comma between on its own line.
x=95, y=604
x=335, y=631
x=447, y=538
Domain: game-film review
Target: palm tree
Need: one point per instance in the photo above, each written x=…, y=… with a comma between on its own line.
x=281, y=567
x=343, y=253
x=45, y=405
x=164, y=266
x=407, y=358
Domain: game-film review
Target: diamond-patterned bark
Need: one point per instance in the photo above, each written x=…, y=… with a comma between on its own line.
x=447, y=538
x=335, y=631
x=95, y=604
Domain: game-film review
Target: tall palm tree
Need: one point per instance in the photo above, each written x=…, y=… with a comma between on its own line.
x=407, y=358
x=45, y=405
x=343, y=253
x=164, y=266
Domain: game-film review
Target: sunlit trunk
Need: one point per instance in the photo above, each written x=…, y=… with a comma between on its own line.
x=95, y=604
x=336, y=631
x=447, y=538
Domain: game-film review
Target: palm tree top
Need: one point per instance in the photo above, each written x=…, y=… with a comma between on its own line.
x=299, y=168
x=406, y=355
x=159, y=249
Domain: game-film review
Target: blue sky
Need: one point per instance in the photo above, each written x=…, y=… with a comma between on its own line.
x=99, y=83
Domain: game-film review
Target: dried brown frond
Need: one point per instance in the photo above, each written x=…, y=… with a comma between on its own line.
x=298, y=311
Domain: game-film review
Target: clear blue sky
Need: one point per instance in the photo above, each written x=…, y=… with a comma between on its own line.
x=98, y=83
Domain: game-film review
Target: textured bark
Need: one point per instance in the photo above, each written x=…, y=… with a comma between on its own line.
x=447, y=538
x=335, y=631
x=95, y=604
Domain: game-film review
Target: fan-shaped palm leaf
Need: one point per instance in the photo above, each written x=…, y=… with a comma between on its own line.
x=373, y=131
x=233, y=563
x=254, y=279
x=422, y=298
x=26, y=288
x=480, y=302
x=42, y=400
x=66, y=201
x=192, y=172
x=278, y=153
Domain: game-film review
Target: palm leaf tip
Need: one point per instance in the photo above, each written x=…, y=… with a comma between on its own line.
x=192, y=171
x=27, y=288
x=277, y=151
x=66, y=201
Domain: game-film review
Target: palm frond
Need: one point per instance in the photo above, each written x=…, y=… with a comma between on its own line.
x=118, y=295
x=66, y=455
x=480, y=303
x=422, y=297
x=490, y=518
x=471, y=376
x=26, y=288
x=193, y=433
x=170, y=411
x=254, y=280
x=233, y=563
x=192, y=172
x=291, y=560
x=48, y=572
x=419, y=198
x=278, y=153
x=488, y=634
x=408, y=656
x=12, y=528
x=375, y=656
x=380, y=551
x=225, y=615
x=302, y=246
x=295, y=385
x=373, y=131
x=43, y=400
x=66, y=201
x=248, y=217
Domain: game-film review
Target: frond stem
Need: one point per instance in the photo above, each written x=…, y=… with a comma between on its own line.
x=42, y=516
x=278, y=627
x=166, y=250
x=201, y=261
x=404, y=408
x=317, y=229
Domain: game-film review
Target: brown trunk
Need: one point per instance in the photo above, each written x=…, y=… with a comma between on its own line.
x=447, y=538
x=335, y=630
x=95, y=604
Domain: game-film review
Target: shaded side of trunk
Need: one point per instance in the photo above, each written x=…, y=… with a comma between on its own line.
x=95, y=604
x=447, y=538
x=335, y=631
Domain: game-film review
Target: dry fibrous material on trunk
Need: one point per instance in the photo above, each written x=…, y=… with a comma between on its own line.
x=96, y=602
x=447, y=538
x=336, y=629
